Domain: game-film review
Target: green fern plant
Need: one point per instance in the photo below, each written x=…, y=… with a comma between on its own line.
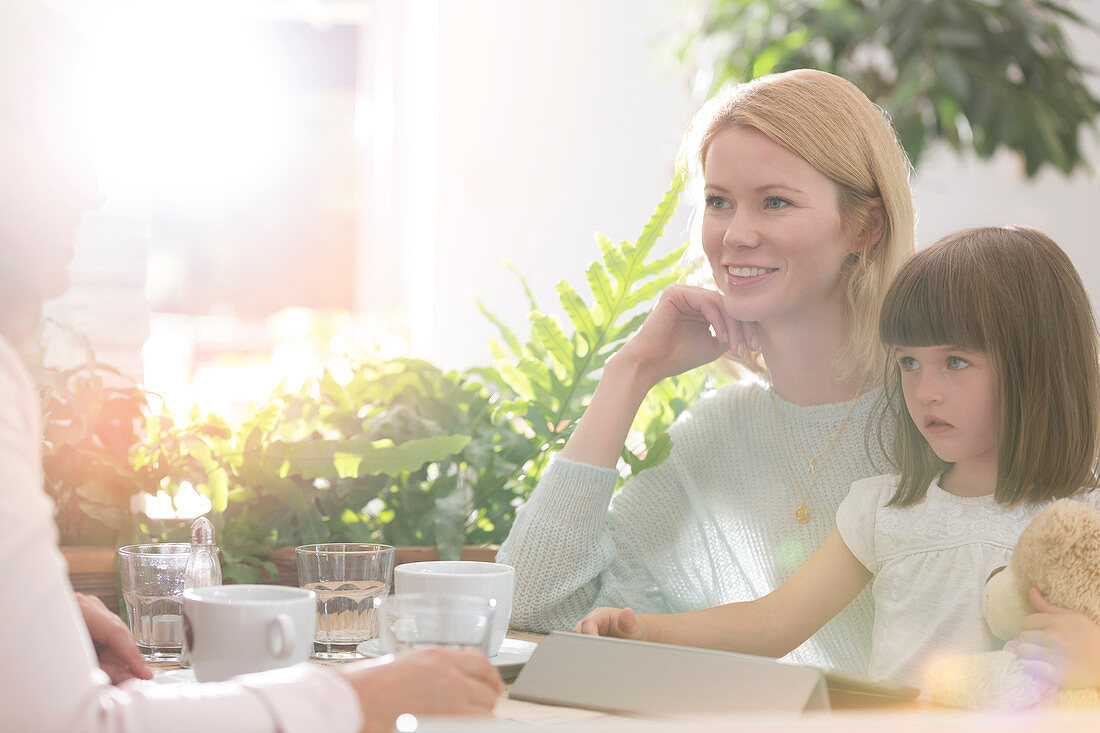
x=403, y=452
x=552, y=376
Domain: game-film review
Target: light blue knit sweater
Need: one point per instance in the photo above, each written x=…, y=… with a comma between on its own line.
x=713, y=524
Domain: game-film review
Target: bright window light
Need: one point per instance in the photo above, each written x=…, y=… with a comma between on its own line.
x=184, y=101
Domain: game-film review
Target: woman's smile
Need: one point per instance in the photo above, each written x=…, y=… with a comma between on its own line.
x=739, y=276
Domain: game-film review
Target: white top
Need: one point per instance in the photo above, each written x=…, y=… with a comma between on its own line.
x=713, y=524
x=49, y=678
x=930, y=561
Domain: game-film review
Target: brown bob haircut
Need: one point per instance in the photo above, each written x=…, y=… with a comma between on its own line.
x=1013, y=294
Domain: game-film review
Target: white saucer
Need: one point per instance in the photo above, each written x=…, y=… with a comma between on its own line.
x=513, y=652
x=170, y=677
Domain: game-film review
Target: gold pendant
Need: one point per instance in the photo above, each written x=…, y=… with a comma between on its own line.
x=802, y=514
x=810, y=470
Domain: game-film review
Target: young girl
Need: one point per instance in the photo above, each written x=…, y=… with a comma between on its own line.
x=994, y=349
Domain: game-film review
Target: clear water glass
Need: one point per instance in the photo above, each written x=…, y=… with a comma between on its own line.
x=152, y=578
x=347, y=578
x=417, y=620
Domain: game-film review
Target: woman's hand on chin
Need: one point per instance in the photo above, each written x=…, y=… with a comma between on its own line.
x=687, y=328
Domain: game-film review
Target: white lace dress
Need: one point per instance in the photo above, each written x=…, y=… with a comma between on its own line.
x=930, y=562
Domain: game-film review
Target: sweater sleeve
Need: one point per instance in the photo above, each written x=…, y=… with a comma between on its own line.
x=572, y=552
x=49, y=677
x=856, y=516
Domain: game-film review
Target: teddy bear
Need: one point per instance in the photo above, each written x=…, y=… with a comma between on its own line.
x=1058, y=553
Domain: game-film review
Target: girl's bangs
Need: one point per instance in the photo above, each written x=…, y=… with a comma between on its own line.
x=934, y=301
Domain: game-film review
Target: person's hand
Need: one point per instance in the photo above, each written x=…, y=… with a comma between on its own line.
x=1059, y=645
x=620, y=622
x=424, y=682
x=118, y=655
x=687, y=328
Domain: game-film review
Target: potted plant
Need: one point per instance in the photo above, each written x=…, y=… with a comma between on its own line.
x=977, y=75
x=403, y=452
x=407, y=454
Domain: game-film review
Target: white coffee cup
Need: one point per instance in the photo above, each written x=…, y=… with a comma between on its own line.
x=238, y=629
x=488, y=580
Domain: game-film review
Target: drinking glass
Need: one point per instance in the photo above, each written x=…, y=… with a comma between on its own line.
x=347, y=577
x=416, y=620
x=487, y=580
x=152, y=588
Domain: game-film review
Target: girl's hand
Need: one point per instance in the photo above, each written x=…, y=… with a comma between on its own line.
x=677, y=334
x=620, y=622
x=1059, y=645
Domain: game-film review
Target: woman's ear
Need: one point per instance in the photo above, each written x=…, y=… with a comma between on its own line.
x=873, y=229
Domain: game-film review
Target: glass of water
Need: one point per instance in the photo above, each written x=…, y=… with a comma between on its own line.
x=414, y=620
x=152, y=588
x=347, y=578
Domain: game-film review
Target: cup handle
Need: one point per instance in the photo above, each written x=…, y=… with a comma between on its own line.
x=280, y=636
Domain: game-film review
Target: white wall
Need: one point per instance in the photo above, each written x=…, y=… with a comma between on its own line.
x=517, y=129
x=954, y=193
x=558, y=118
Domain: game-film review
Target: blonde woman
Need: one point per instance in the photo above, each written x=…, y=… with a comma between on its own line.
x=807, y=214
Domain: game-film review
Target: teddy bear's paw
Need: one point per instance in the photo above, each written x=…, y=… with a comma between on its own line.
x=990, y=681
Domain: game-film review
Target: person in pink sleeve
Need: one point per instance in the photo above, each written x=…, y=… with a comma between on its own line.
x=61, y=651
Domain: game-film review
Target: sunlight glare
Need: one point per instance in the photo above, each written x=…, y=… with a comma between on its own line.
x=184, y=102
x=188, y=504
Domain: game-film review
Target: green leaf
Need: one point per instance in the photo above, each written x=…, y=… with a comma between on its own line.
x=355, y=458
x=661, y=216
x=538, y=376
x=601, y=289
x=672, y=259
x=613, y=260
x=651, y=290
x=242, y=574
x=526, y=287
x=218, y=485
x=549, y=333
x=332, y=391
x=576, y=309
x=506, y=333
x=96, y=492
x=516, y=379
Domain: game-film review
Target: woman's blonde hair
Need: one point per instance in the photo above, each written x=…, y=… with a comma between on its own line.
x=1012, y=293
x=831, y=124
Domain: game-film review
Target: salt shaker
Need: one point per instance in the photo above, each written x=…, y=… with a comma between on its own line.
x=203, y=568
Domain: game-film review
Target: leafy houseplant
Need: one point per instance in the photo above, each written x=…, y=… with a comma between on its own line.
x=403, y=452
x=92, y=418
x=303, y=467
x=977, y=74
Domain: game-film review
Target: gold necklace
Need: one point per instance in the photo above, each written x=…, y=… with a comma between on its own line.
x=802, y=514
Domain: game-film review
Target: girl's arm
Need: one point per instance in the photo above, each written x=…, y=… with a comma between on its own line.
x=770, y=626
